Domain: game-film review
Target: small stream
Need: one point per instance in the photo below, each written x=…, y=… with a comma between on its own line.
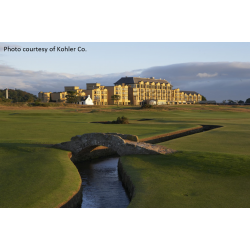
x=102, y=187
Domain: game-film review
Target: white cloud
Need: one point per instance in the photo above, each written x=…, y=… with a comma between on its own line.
x=221, y=80
x=241, y=65
x=35, y=81
x=206, y=75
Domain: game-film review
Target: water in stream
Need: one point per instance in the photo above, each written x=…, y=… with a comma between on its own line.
x=102, y=187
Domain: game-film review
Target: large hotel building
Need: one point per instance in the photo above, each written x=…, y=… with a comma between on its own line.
x=132, y=90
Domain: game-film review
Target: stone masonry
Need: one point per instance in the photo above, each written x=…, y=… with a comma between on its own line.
x=81, y=144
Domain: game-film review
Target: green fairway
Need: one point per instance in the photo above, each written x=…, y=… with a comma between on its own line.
x=189, y=179
x=32, y=175
x=55, y=127
x=232, y=138
x=210, y=171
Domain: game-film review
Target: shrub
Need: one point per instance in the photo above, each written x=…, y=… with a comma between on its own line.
x=5, y=100
x=121, y=120
x=146, y=106
x=38, y=103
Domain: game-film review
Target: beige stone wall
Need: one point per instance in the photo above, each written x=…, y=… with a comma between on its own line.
x=122, y=91
x=99, y=94
x=90, y=86
x=70, y=88
x=44, y=96
x=58, y=96
x=161, y=92
x=111, y=92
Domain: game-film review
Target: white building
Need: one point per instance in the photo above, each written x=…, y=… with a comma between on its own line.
x=85, y=100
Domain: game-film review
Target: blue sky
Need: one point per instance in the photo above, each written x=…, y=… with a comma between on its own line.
x=190, y=66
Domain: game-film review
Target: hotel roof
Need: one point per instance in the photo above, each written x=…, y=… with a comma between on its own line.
x=189, y=92
x=135, y=80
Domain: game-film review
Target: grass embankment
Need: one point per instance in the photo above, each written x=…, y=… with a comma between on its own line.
x=189, y=179
x=35, y=176
x=32, y=175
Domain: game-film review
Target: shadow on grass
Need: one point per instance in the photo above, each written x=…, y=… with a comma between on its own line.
x=25, y=145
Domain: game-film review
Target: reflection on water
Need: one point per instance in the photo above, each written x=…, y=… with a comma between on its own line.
x=101, y=184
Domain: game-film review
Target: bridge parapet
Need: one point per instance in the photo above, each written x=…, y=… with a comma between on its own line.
x=126, y=136
x=85, y=143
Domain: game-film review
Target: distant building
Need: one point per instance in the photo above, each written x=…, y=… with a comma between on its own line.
x=58, y=96
x=122, y=91
x=71, y=88
x=85, y=100
x=80, y=92
x=44, y=96
x=160, y=90
x=190, y=96
x=132, y=90
x=98, y=93
x=141, y=89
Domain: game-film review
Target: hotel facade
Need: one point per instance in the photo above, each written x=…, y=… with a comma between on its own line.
x=131, y=90
x=160, y=90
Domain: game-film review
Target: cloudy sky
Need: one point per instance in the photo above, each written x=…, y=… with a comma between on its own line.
x=219, y=71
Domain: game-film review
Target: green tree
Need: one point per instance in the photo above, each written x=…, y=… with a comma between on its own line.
x=247, y=100
x=72, y=96
x=203, y=98
x=116, y=98
x=240, y=101
x=17, y=95
x=30, y=99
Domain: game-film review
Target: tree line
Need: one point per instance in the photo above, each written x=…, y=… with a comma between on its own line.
x=229, y=101
x=16, y=95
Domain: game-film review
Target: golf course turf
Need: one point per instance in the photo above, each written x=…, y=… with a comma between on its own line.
x=211, y=169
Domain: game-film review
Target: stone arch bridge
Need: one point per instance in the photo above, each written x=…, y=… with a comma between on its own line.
x=120, y=143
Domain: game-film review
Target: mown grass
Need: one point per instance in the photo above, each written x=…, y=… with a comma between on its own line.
x=35, y=176
x=211, y=171
x=189, y=179
x=32, y=175
x=59, y=126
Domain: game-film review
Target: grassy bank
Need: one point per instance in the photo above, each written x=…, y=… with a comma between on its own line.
x=35, y=176
x=189, y=179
